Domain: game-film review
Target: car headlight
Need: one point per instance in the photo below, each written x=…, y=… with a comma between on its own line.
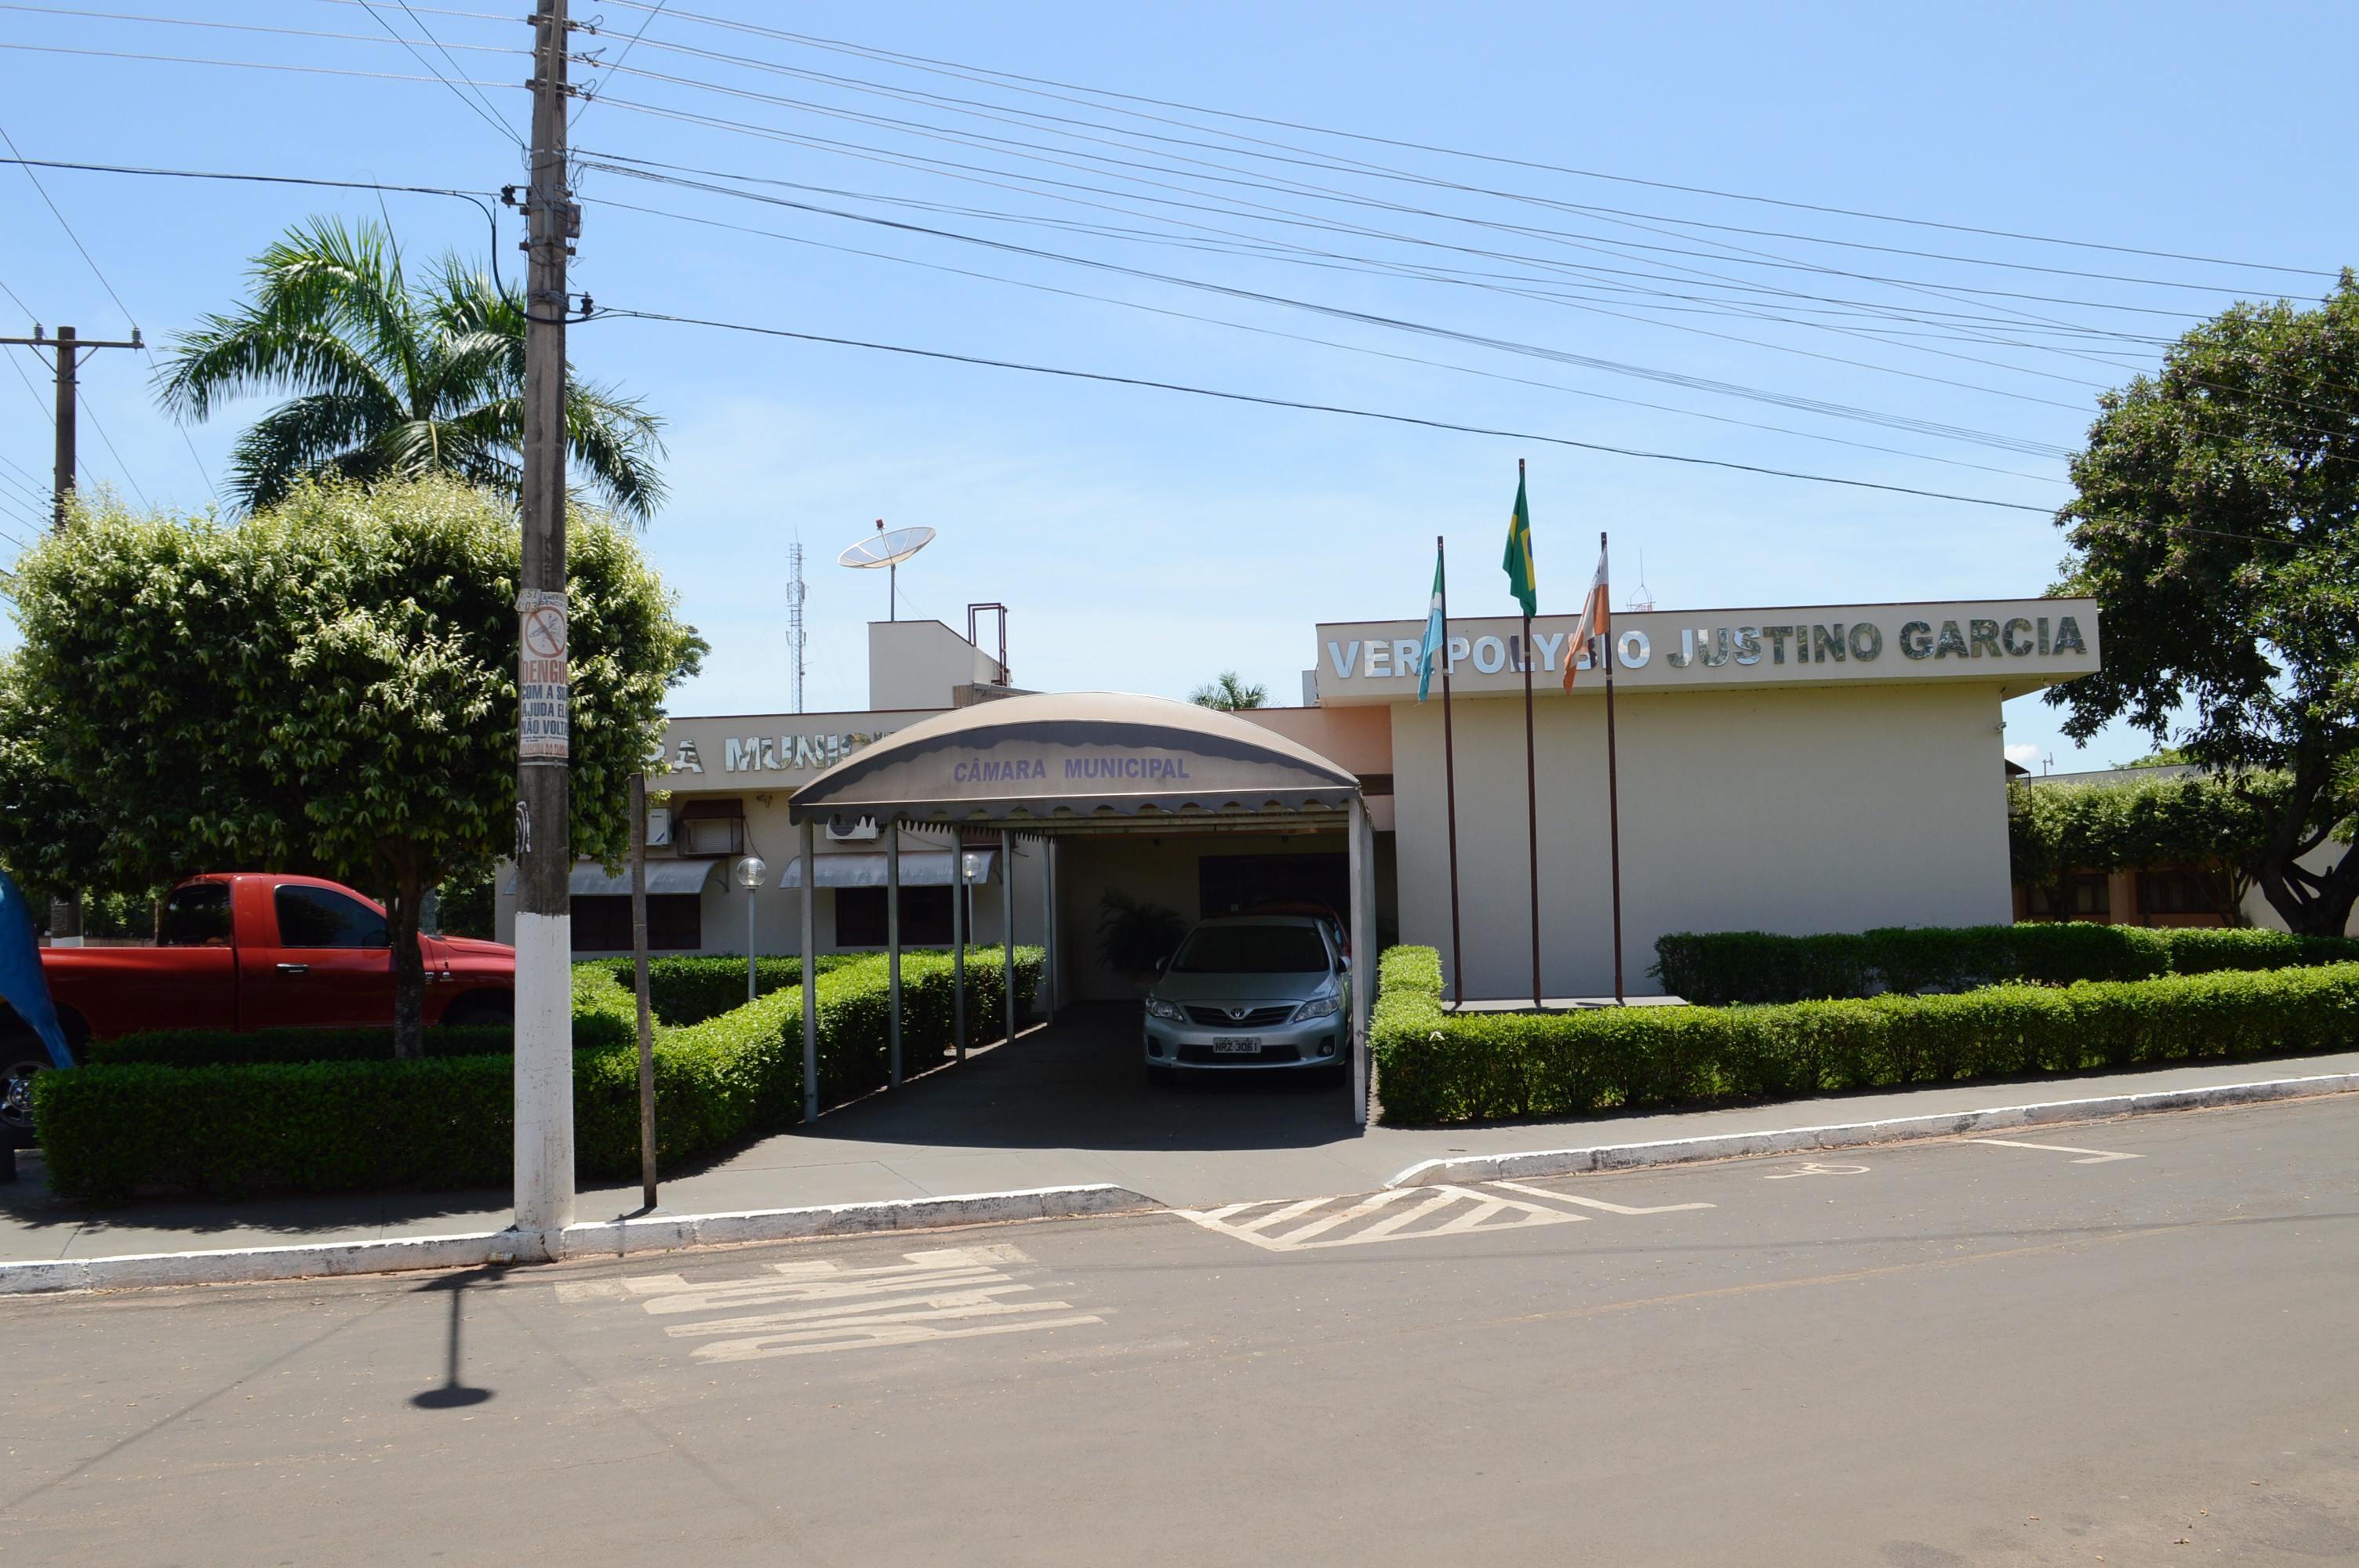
x=1318, y=1006
x=1158, y=1008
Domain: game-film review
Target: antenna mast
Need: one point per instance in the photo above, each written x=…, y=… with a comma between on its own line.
x=795, y=636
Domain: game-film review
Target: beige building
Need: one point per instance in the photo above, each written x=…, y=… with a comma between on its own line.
x=1799, y=769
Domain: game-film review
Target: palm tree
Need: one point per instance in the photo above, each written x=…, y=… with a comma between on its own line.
x=1229, y=694
x=391, y=382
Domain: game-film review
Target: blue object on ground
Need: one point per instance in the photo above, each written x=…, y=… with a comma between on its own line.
x=22, y=984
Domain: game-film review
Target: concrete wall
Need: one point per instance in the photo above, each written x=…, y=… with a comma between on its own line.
x=914, y=664
x=1791, y=809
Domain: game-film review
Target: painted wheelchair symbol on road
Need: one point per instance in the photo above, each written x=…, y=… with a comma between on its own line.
x=1813, y=1168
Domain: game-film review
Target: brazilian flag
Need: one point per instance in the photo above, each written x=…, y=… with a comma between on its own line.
x=1521, y=580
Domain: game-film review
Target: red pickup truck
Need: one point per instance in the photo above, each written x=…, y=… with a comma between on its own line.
x=251, y=950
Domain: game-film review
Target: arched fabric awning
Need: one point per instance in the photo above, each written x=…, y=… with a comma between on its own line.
x=1073, y=762
x=1065, y=758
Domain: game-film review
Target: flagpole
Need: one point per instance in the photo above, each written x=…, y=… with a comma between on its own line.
x=1531, y=780
x=1613, y=795
x=1450, y=780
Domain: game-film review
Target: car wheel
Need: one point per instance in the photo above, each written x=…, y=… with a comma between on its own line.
x=22, y=1057
x=1162, y=1077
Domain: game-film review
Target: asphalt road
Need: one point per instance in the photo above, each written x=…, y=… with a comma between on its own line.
x=2133, y=1346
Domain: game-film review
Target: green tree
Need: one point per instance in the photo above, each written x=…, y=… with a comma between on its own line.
x=2218, y=524
x=328, y=687
x=1229, y=693
x=392, y=381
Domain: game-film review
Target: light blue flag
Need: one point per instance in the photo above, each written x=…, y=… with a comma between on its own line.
x=1434, y=629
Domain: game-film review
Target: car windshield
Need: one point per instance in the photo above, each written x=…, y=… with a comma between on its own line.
x=1251, y=950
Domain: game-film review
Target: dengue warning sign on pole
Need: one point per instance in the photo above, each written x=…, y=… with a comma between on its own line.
x=541, y=681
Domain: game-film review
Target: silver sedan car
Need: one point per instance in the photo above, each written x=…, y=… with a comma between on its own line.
x=1266, y=991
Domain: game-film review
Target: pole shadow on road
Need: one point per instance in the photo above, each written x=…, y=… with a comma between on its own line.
x=454, y=1394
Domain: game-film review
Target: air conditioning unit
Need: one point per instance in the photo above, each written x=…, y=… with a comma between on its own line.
x=842, y=830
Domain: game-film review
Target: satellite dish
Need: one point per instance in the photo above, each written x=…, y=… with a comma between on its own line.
x=887, y=550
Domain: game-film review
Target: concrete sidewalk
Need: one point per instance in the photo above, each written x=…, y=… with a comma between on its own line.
x=1067, y=1105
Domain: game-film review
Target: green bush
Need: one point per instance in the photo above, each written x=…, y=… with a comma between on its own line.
x=1435, y=1066
x=1717, y=969
x=684, y=990
x=108, y=1130
x=223, y=1047
x=604, y=1015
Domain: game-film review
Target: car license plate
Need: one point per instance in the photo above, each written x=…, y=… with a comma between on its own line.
x=1236, y=1044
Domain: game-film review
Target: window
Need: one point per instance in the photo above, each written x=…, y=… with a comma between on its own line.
x=1251, y=950
x=2088, y=896
x=319, y=917
x=859, y=917
x=602, y=922
x=197, y=916
x=2180, y=890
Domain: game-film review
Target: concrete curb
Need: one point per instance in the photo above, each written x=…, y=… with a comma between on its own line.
x=1682, y=1151
x=610, y=1238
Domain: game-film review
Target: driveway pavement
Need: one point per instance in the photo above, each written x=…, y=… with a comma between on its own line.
x=1064, y=1105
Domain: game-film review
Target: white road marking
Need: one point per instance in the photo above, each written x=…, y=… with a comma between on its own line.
x=934, y=1294
x=1473, y=1210
x=1813, y=1168
x=2096, y=1156
x=1597, y=1202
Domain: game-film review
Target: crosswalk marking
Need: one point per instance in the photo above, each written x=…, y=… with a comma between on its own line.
x=1459, y=1210
x=1598, y=1203
x=2096, y=1156
x=941, y=1294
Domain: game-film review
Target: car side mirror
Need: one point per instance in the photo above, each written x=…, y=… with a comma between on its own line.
x=1161, y=965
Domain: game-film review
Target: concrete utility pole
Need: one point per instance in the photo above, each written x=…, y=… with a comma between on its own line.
x=544, y=922
x=65, y=915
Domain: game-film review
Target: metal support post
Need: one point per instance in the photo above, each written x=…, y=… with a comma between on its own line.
x=811, y=976
x=1051, y=971
x=958, y=940
x=1007, y=920
x=639, y=978
x=893, y=933
x=1364, y=958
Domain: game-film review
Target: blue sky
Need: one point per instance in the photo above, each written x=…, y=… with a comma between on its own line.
x=1147, y=540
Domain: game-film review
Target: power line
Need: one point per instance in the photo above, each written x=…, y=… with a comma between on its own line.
x=1321, y=342
x=102, y=436
x=482, y=199
x=1031, y=83
x=481, y=105
x=1364, y=318
x=1311, y=407
x=251, y=65
x=254, y=28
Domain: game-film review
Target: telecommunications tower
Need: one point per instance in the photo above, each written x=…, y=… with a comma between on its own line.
x=795, y=636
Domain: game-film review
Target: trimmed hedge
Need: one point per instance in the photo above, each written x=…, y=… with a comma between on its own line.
x=604, y=1015
x=1719, y=967
x=448, y=1122
x=685, y=990
x=1436, y=1067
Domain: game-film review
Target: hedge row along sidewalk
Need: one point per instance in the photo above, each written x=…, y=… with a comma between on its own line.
x=689, y=990
x=448, y=1122
x=1434, y=1066
x=1723, y=966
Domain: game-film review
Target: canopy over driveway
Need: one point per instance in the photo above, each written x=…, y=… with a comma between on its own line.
x=1096, y=762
